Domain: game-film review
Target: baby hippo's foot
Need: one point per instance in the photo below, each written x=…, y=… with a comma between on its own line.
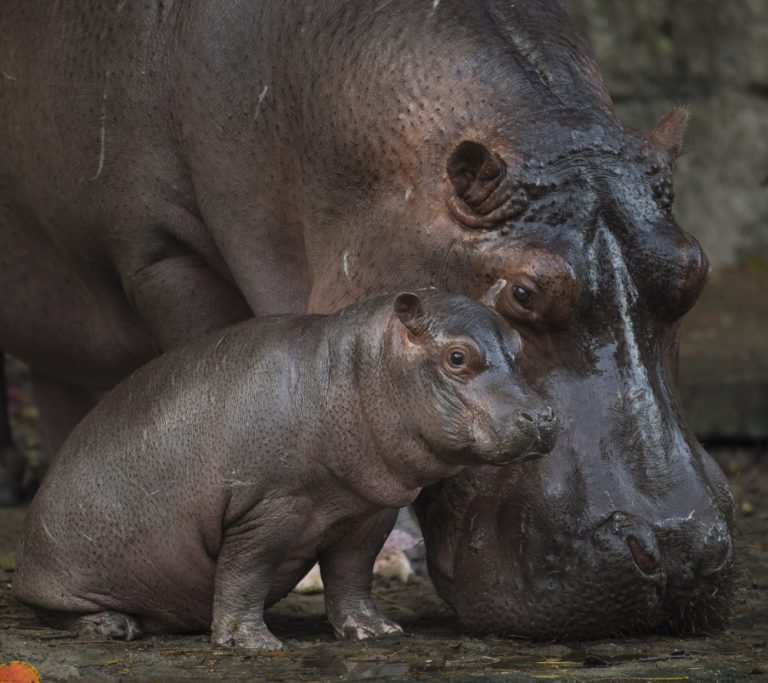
x=249, y=634
x=109, y=624
x=365, y=624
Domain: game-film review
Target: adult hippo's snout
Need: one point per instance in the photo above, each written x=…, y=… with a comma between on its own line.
x=683, y=559
x=566, y=569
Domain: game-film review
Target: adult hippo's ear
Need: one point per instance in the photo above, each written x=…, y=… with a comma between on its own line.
x=480, y=197
x=667, y=137
x=410, y=312
x=475, y=172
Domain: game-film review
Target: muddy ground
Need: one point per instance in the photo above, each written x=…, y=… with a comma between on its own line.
x=433, y=646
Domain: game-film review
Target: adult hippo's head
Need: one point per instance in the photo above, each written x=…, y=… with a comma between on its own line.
x=483, y=145
x=625, y=526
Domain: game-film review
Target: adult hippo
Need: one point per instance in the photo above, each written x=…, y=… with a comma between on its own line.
x=169, y=168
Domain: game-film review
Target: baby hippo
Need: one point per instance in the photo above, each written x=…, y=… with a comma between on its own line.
x=205, y=485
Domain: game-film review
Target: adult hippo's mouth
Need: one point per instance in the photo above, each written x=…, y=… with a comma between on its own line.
x=628, y=573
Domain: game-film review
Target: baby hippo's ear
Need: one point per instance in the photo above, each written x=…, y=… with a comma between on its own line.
x=492, y=295
x=410, y=312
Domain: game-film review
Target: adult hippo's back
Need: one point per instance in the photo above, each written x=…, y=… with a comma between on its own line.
x=168, y=168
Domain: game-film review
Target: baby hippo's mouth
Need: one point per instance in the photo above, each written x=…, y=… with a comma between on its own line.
x=526, y=436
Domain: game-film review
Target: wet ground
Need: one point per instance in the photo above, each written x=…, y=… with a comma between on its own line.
x=433, y=646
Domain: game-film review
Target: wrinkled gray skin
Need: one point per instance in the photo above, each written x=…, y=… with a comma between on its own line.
x=206, y=484
x=169, y=168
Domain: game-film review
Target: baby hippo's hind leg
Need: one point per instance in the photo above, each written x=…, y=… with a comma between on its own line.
x=347, y=570
x=108, y=624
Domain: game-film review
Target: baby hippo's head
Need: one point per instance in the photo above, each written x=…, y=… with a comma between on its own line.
x=460, y=389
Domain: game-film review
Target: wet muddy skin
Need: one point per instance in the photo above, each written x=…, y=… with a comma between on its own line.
x=434, y=647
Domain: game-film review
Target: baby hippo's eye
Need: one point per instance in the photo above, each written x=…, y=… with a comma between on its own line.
x=462, y=360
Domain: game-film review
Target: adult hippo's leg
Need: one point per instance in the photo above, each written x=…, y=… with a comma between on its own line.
x=93, y=344
x=11, y=460
x=61, y=406
x=96, y=344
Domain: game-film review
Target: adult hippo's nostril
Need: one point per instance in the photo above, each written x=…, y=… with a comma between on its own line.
x=695, y=549
x=643, y=559
x=628, y=532
x=542, y=418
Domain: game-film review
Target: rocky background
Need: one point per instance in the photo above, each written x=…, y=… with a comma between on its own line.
x=713, y=56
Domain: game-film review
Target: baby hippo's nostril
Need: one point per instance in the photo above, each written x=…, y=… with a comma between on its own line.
x=526, y=416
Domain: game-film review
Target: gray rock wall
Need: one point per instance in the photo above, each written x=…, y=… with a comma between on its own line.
x=712, y=55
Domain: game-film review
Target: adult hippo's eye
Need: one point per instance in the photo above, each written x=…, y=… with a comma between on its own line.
x=457, y=358
x=522, y=295
x=542, y=289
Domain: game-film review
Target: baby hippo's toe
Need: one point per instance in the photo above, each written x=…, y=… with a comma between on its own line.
x=251, y=635
x=364, y=625
x=109, y=624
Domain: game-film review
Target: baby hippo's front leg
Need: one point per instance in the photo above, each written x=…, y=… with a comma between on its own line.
x=347, y=571
x=250, y=554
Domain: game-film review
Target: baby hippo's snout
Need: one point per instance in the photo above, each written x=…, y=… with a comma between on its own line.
x=544, y=425
x=518, y=436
